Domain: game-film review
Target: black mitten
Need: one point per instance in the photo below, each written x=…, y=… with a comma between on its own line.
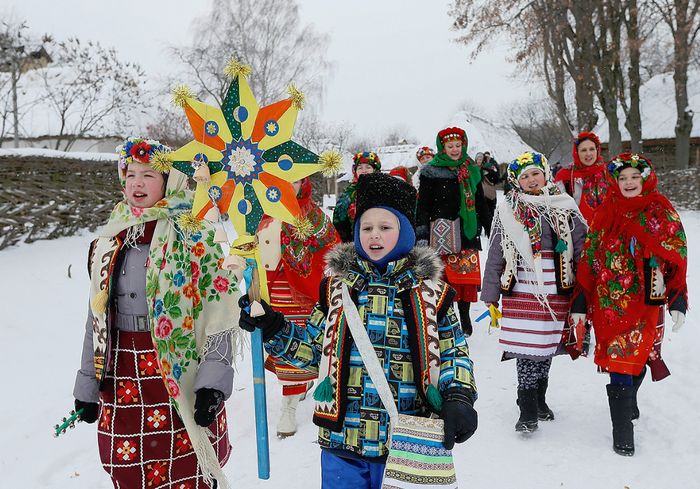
x=271, y=322
x=90, y=411
x=459, y=415
x=205, y=405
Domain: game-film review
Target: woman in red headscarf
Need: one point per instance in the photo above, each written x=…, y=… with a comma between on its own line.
x=633, y=262
x=294, y=268
x=585, y=179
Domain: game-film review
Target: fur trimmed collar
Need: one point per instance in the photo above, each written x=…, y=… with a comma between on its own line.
x=430, y=171
x=423, y=262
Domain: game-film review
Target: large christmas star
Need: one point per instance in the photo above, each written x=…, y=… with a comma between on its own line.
x=249, y=152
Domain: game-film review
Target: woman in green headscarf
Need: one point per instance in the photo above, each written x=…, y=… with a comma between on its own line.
x=450, y=203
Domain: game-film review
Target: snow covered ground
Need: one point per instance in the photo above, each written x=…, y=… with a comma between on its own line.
x=43, y=313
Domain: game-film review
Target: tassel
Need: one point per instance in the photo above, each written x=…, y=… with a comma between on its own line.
x=331, y=162
x=434, y=397
x=653, y=263
x=256, y=310
x=188, y=223
x=161, y=162
x=296, y=96
x=236, y=68
x=201, y=174
x=324, y=391
x=220, y=235
x=561, y=246
x=99, y=302
x=212, y=215
x=180, y=94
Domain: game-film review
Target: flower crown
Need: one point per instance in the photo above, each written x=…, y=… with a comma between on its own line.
x=367, y=157
x=630, y=160
x=142, y=151
x=526, y=160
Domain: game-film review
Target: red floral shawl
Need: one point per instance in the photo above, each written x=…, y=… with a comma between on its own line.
x=625, y=232
x=304, y=260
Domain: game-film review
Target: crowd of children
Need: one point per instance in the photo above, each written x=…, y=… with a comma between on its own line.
x=598, y=247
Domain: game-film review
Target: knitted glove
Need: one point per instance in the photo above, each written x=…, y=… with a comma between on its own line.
x=678, y=320
x=205, y=405
x=460, y=418
x=90, y=411
x=271, y=322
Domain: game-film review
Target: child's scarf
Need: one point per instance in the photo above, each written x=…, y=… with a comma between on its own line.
x=624, y=232
x=518, y=221
x=182, y=273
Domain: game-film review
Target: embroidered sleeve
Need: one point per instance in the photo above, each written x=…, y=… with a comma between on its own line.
x=456, y=368
x=300, y=347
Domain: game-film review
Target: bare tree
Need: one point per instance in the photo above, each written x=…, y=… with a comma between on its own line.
x=266, y=34
x=18, y=54
x=169, y=126
x=537, y=124
x=90, y=90
x=683, y=19
x=399, y=134
x=548, y=35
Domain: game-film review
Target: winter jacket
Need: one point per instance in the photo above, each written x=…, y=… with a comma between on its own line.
x=128, y=303
x=439, y=197
x=409, y=318
x=491, y=288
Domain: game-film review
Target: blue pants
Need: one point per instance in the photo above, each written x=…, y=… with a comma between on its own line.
x=349, y=473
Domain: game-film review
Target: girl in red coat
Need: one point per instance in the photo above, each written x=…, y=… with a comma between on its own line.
x=633, y=262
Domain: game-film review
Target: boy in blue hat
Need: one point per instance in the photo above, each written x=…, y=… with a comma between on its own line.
x=407, y=312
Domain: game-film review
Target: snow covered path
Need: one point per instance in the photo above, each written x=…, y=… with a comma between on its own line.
x=41, y=335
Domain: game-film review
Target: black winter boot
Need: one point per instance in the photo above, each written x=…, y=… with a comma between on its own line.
x=636, y=382
x=543, y=411
x=527, y=402
x=464, y=318
x=621, y=398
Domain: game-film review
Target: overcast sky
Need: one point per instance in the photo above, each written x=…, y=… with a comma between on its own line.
x=394, y=60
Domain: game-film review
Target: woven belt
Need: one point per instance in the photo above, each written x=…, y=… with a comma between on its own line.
x=127, y=322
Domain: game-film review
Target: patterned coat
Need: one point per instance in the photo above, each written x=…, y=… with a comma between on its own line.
x=409, y=318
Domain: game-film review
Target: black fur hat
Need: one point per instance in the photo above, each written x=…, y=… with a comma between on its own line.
x=382, y=190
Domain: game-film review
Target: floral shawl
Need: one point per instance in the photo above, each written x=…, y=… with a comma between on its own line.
x=628, y=235
x=304, y=260
x=518, y=220
x=191, y=301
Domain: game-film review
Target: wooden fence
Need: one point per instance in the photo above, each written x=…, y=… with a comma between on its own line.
x=45, y=198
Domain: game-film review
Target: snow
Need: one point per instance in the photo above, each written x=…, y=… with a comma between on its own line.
x=658, y=108
x=20, y=153
x=483, y=135
x=42, y=332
